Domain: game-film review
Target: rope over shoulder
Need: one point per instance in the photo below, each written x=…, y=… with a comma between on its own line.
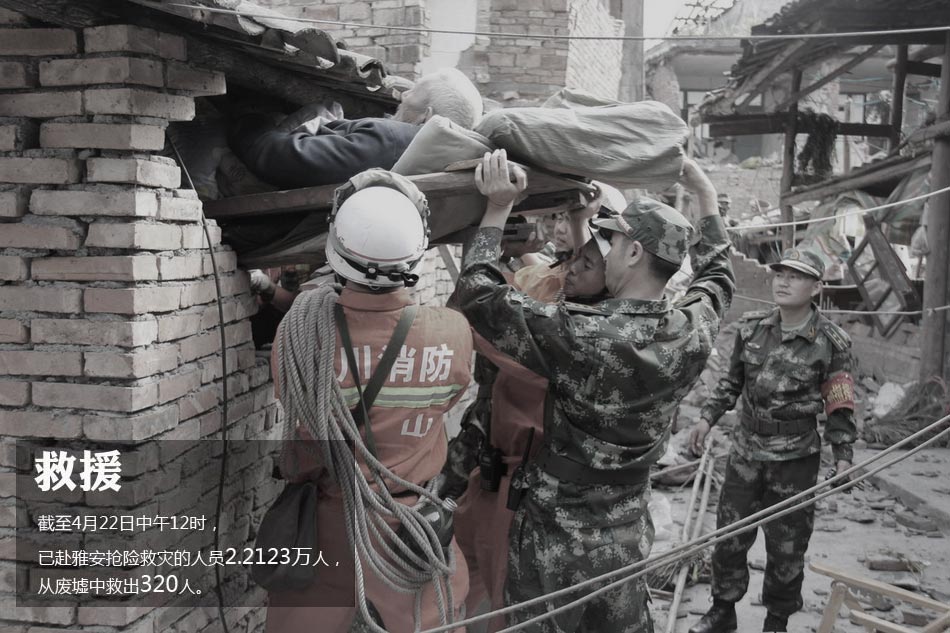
x=312, y=398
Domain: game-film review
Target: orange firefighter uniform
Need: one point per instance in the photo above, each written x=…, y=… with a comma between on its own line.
x=429, y=376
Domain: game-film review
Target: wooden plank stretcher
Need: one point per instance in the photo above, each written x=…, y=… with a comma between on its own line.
x=454, y=202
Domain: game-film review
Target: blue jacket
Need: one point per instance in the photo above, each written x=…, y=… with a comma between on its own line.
x=338, y=151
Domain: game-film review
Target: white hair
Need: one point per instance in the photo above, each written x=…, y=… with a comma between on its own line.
x=451, y=94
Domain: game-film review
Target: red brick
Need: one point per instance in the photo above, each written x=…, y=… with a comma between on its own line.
x=40, y=363
x=12, y=331
x=199, y=401
x=101, y=70
x=40, y=236
x=198, y=293
x=141, y=300
x=49, y=171
x=138, y=204
x=13, y=204
x=136, y=102
x=19, y=136
x=137, y=235
x=195, y=81
x=12, y=18
x=14, y=393
x=175, y=326
x=184, y=267
x=36, y=42
x=200, y=345
x=114, y=268
x=128, y=136
x=133, y=171
x=13, y=268
x=96, y=397
x=130, y=428
x=40, y=299
x=194, y=236
x=238, y=283
x=15, y=75
x=85, y=332
x=41, y=424
x=137, y=364
x=170, y=208
x=41, y=105
x=178, y=385
x=226, y=261
x=134, y=39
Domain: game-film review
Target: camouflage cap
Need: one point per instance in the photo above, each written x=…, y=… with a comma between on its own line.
x=661, y=229
x=801, y=260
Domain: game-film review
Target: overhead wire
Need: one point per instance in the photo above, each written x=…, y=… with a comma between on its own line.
x=831, y=218
x=537, y=36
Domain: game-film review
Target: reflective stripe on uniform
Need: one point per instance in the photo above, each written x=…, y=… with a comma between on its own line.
x=407, y=397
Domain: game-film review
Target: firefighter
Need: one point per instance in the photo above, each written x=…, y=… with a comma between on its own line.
x=376, y=244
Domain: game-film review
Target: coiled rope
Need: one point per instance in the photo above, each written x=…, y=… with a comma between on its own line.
x=312, y=397
x=838, y=483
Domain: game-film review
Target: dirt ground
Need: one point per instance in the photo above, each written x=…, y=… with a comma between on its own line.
x=851, y=531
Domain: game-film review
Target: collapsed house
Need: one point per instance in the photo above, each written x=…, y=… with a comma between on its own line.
x=875, y=260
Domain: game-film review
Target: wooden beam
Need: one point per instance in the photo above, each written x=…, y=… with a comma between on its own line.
x=746, y=124
x=936, y=130
x=861, y=179
x=788, y=160
x=923, y=69
x=936, y=290
x=882, y=588
x=435, y=185
x=758, y=81
x=857, y=59
x=897, y=103
x=864, y=129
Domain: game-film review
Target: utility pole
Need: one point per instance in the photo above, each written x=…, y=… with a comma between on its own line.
x=934, y=324
x=631, y=74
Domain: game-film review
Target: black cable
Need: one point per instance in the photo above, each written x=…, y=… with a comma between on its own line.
x=224, y=394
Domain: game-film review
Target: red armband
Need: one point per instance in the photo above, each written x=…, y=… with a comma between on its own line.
x=838, y=392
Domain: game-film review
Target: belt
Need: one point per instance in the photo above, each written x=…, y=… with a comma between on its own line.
x=569, y=470
x=778, y=427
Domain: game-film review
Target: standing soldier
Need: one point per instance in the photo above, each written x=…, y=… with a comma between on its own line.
x=615, y=371
x=789, y=364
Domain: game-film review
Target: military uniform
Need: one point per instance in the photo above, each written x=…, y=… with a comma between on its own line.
x=786, y=380
x=615, y=373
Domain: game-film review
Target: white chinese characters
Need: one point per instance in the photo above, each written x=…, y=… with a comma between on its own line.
x=99, y=471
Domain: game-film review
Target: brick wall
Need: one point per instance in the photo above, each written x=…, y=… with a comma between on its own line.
x=400, y=51
x=532, y=68
x=107, y=301
x=594, y=65
x=746, y=185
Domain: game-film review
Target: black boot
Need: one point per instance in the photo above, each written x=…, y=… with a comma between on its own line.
x=721, y=618
x=775, y=623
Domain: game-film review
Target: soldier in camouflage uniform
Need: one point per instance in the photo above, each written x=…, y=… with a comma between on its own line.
x=615, y=372
x=789, y=365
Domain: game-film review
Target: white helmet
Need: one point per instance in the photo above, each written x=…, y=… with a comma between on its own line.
x=378, y=230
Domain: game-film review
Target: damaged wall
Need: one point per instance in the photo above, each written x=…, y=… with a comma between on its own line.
x=401, y=51
x=108, y=320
